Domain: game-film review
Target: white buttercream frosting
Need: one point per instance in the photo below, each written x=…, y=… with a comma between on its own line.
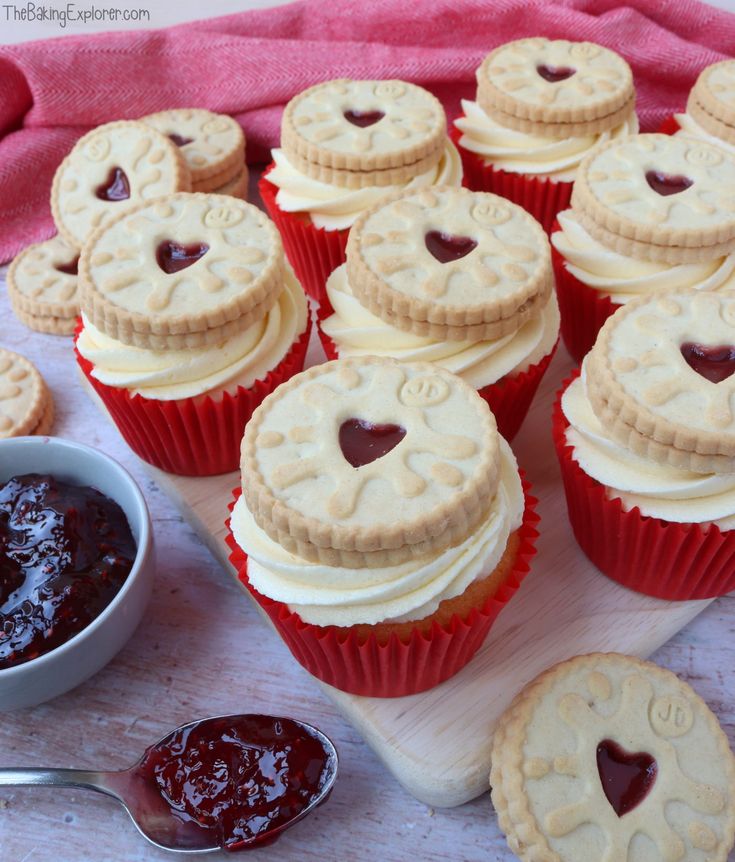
x=524, y=153
x=333, y=595
x=658, y=490
x=622, y=277
x=167, y=375
x=689, y=127
x=336, y=207
x=355, y=331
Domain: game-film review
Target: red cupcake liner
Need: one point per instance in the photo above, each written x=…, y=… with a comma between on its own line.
x=542, y=198
x=583, y=309
x=396, y=668
x=509, y=398
x=313, y=251
x=191, y=437
x=669, y=126
x=667, y=560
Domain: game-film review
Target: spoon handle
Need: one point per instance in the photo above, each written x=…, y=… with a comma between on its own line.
x=19, y=776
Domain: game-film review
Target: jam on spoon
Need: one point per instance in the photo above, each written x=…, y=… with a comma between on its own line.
x=65, y=551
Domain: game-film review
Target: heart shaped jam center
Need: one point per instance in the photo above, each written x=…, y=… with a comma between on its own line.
x=71, y=268
x=362, y=442
x=714, y=363
x=115, y=188
x=446, y=247
x=626, y=778
x=179, y=140
x=554, y=74
x=363, y=118
x=173, y=257
x=667, y=184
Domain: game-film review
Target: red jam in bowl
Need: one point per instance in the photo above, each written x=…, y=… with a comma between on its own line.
x=240, y=779
x=65, y=551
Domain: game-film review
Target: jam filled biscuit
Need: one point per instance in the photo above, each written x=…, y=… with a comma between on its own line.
x=404, y=457
x=26, y=406
x=660, y=378
x=610, y=758
x=110, y=169
x=660, y=198
x=450, y=263
x=212, y=144
x=236, y=187
x=42, y=286
x=712, y=100
x=556, y=88
x=364, y=133
x=188, y=270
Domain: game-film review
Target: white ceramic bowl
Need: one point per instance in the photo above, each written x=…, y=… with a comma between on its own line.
x=68, y=665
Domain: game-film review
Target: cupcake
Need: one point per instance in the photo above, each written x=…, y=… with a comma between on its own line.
x=710, y=110
x=542, y=106
x=382, y=523
x=459, y=278
x=190, y=317
x=646, y=441
x=648, y=213
x=344, y=146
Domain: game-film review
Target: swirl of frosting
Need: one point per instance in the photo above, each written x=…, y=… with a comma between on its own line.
x=171, y=374
x=355, y=331
x=689, y=127
x=334, y=207
x=331, y=595
x=523, y=153
x=658, y=490
x=623, y=277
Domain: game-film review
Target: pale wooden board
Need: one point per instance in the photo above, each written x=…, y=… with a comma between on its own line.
x=437, y=744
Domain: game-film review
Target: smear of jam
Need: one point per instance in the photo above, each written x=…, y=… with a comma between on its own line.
x=234, y=781
x=71, y=268
x=363, y=118
x=362, y=442
x=626, y=778
x=172, y=257
x=115, y=188
x=713, y=363
x=554, y=74
x=667, y=184
x=180, y=140
x=445, y=247
x=65, y=551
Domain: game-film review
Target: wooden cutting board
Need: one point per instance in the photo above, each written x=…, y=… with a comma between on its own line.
x=437, y=743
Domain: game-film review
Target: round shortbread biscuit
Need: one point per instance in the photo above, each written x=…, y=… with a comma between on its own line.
x=450, y=264
x=24, y=397
x=662, y=191
x=609, y=757
x=184, y=271
x=236, y=187
x=712, y=100
x=45, y=323
x=216, y=181
x=42, y=280
x=109, y=170
x=212, y=144
x=363, y=126
x=560, y=84
x=654, y=378
x=320, y=478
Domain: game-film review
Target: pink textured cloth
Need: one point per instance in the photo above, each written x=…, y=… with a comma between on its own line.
x=250, y=64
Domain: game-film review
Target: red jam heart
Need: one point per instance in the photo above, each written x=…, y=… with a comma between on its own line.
x=71, y=268
x=446, y=247
x=179, y=140
x=363, y=118
x=554, y=74
x=362, y=442
x=667, y=184
x=173, y=257
x=626, y=778
x=714, y=363
x=115, y=188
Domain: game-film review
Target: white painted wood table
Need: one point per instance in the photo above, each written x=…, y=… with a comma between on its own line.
x=202, y=649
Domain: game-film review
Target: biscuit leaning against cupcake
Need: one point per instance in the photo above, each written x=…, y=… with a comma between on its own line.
x=455, y=277
x=542, y=106
x=345, y=145
x=191, y=316
x=382, y=523
x=710, y=109
x=648, y=212
x=646, y=441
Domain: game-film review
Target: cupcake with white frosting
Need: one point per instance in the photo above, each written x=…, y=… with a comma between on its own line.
x=542, y=105
x=344, y=146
